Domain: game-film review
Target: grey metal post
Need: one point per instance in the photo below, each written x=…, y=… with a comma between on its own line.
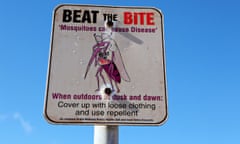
x=105, y=134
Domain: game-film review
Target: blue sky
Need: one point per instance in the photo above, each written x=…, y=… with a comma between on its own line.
x=202, y=62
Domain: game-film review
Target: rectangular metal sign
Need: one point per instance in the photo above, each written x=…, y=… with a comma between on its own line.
x=106, y=66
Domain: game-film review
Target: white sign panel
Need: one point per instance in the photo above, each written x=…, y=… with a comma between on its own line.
x=106, y=66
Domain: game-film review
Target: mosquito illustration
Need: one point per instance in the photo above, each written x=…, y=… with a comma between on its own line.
x=107, y=57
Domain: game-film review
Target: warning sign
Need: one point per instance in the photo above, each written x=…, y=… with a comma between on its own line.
x=106, y=66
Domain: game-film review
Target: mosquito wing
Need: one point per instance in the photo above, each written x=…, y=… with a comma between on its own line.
x=117, y=59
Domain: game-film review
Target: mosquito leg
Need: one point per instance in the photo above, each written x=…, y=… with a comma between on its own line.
x=97, y=77
x=100, y=73
x=118, y=90
x=110, y=76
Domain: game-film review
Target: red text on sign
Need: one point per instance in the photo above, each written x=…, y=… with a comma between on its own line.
x=142, y=18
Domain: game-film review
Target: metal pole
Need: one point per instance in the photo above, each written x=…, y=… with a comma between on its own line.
x=105, y=134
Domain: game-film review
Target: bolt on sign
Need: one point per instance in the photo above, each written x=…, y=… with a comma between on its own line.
x=106, y=66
